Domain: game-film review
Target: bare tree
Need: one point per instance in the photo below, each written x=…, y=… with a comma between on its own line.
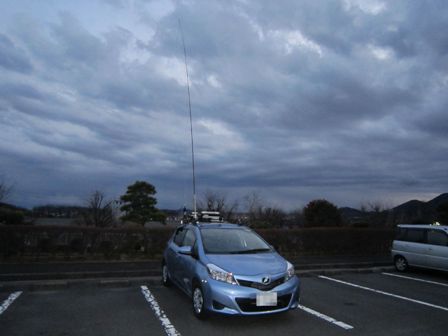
x=296, y=218
x=377, y=213
x=217, y=201
x=254, y=204
x=363, y=207
x=99, y=212
x=212, y=201
x=230, y=211
x=273, y=217
x=374, y=206
x=260, y=215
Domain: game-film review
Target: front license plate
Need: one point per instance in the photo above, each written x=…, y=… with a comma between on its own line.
x=266, y=299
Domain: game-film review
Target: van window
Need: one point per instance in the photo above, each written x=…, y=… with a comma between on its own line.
x=437, y=237
x=400, y=234
x=415, y=235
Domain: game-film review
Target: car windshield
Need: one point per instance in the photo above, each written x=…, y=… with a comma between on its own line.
x=232, y=241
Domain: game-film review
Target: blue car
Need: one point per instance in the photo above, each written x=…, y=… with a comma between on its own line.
x=229, y=269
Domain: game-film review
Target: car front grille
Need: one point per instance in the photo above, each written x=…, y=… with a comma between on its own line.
x=250, y=305
x=260, y=286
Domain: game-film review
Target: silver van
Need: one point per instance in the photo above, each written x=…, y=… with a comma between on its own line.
x=422, y=246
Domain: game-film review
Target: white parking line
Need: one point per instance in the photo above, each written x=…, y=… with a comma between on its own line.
x=160, y=314
x=326, y=318
x=385, y=293
x=416, y=279
x=9, y=301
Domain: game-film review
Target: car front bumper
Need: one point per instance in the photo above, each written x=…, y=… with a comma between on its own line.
x=224, y=298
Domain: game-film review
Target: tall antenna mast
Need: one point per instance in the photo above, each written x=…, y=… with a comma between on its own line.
x=191, y=123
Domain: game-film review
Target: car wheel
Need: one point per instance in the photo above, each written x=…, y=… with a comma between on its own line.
x=166, y=281
x=198, y=303
x=401, y=264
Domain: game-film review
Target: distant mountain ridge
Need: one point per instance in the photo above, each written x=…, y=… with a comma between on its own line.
x=441, y=199
x=415, y=210
x=412, y=212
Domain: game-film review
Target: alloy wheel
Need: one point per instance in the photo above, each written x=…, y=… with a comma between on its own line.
x=198, y=301
x=401, y=264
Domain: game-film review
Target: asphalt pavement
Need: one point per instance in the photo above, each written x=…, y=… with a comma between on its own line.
x=375, y=303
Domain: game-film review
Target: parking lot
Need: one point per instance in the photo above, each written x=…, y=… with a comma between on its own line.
x=382, y=303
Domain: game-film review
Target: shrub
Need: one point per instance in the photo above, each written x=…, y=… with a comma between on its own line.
x=11, y=244
x=77, y=245
x=46, y=245
x=106, y=248
x=11, y=217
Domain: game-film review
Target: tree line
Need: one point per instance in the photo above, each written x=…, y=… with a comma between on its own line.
x=138, y=205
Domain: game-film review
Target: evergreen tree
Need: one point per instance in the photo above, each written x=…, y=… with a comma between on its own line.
x=321, y=213
x=139, y=205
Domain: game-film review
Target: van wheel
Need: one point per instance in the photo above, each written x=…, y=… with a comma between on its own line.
x=166, y=281
x=401, y=264
x=198, y=303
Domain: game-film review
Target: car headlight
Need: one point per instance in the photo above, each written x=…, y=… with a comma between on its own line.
x=219, y=274
x=290, y=271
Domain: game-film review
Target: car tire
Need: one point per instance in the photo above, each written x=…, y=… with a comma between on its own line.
x=401, y=264
x=166, y=281
x=197, y=301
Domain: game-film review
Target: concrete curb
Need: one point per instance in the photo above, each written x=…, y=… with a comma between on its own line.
x=121, y=282
x=50, y=285
x=336, y=271
x=77, y=275
x=342, y=265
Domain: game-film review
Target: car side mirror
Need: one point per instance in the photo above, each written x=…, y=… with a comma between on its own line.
x=187, y=250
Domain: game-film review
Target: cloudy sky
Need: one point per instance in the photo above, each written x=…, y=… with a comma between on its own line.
x=294, y=100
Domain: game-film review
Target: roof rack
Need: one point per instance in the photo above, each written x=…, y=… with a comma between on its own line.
x=203, y=217
x=210, y=217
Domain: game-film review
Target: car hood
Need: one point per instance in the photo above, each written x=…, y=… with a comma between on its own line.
x=249, y=264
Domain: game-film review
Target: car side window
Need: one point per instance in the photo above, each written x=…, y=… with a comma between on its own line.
x=189, y=239
x=179, y=236
x=437, y=237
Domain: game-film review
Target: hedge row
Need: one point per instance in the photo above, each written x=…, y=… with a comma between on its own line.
x=330, y=241
x=93, y=243
x=81, y=242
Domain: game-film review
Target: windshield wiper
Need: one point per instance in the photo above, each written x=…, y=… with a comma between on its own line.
x=253, y=251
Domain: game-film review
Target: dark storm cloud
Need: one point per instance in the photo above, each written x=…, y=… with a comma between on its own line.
x=340, y=99
x=20, y=90
x=12, y=57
